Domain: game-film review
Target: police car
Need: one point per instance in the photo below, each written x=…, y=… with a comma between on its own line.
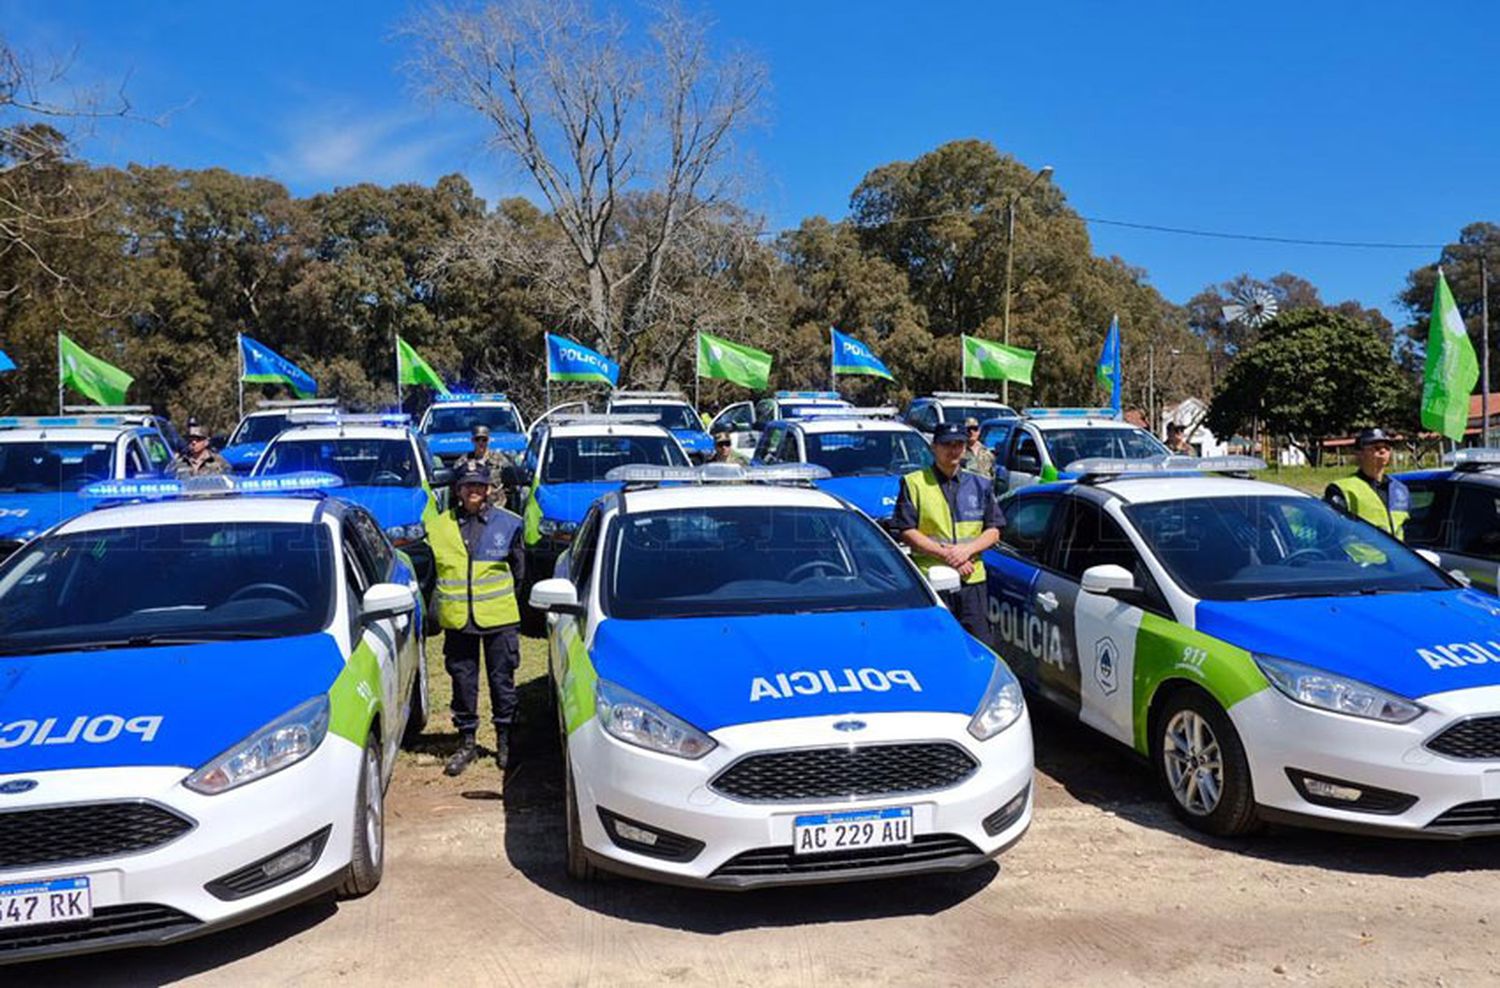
x=756, y=687
x=1455, y=513
x=928, y=411
x=204, y=696
x=448, y=423
x=45, y=460
x=864, y=450
x=1274, y=659
x=744, y=420
x=671, y=411
x=256, y=430
x=564, y=471
x=1036, y=446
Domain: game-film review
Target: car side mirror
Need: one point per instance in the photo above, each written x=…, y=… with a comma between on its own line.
x=442, y=477
x=556, y=596
x=514, y=477
x=386, y=600
x=1430, y=556
x=1028, y=464
x=1002, y=480
x=1107, y=580
x=217, y=443
x=944, y=579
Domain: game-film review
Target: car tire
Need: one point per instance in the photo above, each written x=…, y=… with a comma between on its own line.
x=580, y=868
x=417, y=704
x=1201, y=765
x=367, y=851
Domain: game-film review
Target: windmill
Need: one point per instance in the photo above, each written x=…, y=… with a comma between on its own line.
x=1252, y=307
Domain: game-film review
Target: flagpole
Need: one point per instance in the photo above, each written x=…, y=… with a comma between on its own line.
x=546, y=373
x=833, y=384
x=396, y=343
x=963, y=379
x=59, y=374
x=239, y=346
x=697, y=369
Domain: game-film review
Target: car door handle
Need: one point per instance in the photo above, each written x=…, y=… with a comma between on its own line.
x=1048, y=600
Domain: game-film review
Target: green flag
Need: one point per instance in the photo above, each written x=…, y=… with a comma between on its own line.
x=101, y=382
x=414, y=370
x=997, y=362
x=1452, y=369
x=733, y=362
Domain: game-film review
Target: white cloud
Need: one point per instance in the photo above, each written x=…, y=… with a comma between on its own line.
x=343, y=145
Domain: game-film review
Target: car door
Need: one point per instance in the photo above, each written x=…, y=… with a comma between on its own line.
x=1022, y=463
x=568, y=634
x=1024, y=597
x=381, y=637
x=1476, y=534
x=379, y=558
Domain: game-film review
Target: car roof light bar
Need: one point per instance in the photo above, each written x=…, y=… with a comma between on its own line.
x=1095, y=468
x=107, y=409
x=645, y=475
x=606, y=418
x=161, y=489
x=1070, y=413
x=457, y=397
x=821, y=395
x=274, y=403
x=66, y=421
x=1478, y=458
x=633, y=395
x=966, y=396
x=879, y=412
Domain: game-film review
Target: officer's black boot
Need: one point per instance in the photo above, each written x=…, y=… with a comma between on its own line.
x=460, y=759
x=502, y=748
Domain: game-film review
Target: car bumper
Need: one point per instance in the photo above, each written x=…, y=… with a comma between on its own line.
x=163, y=894
x=1407, y=789
x=744, y=844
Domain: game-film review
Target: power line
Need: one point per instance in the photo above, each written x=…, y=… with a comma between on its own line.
x=1219, y=235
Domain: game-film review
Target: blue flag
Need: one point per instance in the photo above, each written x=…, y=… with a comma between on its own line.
x=262, y=365
x=569, y=361
x=6, y=364
x=1107, y=371
x=850, y=356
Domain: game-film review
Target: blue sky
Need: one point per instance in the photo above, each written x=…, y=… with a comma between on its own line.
x=1326, y=120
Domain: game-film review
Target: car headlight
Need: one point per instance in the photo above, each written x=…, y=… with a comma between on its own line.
x=642, y=723
x=285, y=741
x=1339, y=694
x=406, y=534
x=1002, y=705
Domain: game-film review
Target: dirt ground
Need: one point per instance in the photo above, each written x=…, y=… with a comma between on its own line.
x=1105, y=889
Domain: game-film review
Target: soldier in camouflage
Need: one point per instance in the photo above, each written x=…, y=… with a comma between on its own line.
x=199, y=458
x=493, y=461
x=977, y=457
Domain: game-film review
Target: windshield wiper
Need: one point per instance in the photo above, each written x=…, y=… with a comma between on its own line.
x=138, y=641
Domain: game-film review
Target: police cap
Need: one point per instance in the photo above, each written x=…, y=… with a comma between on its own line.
x=1372, y=437
x=473, y=472
x=196, y=431
x=950, y=432
x=480, y=430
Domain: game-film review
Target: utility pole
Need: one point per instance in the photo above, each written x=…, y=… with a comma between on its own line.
x=1010, y=244
x=1151, y=387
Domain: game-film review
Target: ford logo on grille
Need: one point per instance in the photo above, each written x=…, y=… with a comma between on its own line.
x=849, y=725
x=15, y=786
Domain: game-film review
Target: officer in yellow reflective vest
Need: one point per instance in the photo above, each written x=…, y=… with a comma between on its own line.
x=1370, y=495
x=949, y=517
x=480, y=559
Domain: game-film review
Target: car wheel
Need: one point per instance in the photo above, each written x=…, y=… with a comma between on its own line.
x=417, y=703
x=367, y=856
x=580, y=869
x=1201, y=764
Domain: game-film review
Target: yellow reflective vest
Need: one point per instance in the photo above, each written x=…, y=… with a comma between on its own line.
x=477, y=589
x=1364, y=503
x=935, y=521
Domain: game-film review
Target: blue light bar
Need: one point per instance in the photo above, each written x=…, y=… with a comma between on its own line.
x=719, y=473
x=853, y=412
x=64, y=421
x=160, y=489
x=456, y=397
x=827, y=395
x=1477, y=458
x=1070, y=413
x=1103, y=466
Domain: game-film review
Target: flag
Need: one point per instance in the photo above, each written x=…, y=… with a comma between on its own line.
x=412, y=369
x=262, y=365
x=1107, y=370
x=727, y=361
x=997, y=362
x=850, y=356
x=569, y=361
x=101, y=382
x=1452, y=369
x=6, y=364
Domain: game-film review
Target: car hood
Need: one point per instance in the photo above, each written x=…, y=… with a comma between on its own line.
x=875, y=496
x=716, y=672
x=390, y=505
x=242, y=456
x=24, y=516
x=570, y=502
x=695, y=441
x=170, y=705
x=453, y=444
x=1411, y=644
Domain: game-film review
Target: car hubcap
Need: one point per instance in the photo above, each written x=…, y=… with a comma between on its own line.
x=374, y=809
x=1195, y=769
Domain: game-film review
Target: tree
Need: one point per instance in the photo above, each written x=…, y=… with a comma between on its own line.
x=1460, y=264
x=1313, y=373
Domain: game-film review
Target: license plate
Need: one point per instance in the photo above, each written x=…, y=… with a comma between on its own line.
x=825, y=833
x=59, y=901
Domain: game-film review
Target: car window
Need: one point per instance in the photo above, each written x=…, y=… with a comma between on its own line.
x=448, y=418
x=1025, y=446
x=1091, y=538
x=1427, y=525
x=586, y=459
x=995, y=436
x=135, y=459
x=1476, y=519
x=581, y=556
x=374, y=548
x=765, y=410
x=357, y=462
x=534, y=448
x=1026, y=520
x=1122, y=442
x=789, y=452
x=770, y=445
x=156, y=449
x=926, y=416
x=734, y=417
x=40, y=466
x=868, y=452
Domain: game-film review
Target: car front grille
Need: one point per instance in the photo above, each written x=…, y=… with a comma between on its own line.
x=1485, y=813
x=1477, y=737
x=846, y=772
x=929, y=849
x=109, y=923
x=85, y=831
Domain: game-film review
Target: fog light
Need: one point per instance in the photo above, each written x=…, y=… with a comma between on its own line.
x=1342, y=794
x=1007, y=814
x=1331, y=790
x=630, y=832
x=294, y=860
x=284, y=865
x=633, y=835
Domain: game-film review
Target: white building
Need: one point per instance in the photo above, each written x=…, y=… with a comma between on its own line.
x=1190, y=413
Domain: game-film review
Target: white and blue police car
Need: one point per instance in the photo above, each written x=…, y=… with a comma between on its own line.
x=1455, y=512
x=256, y=430
x=744, y=420
x=755, y=686
x=45, y=460
x=1035, y=447
x=201, y=698
x=670, y=410
x=448, y=424
x=1275, y=660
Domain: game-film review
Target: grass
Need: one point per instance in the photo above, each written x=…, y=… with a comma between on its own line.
x=440, y=738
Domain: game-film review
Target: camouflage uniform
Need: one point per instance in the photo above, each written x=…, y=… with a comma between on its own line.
x=494, y=461
x=212, y=464
x=980, y=461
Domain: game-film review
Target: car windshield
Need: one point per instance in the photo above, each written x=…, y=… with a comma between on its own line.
x=696, y=562
x=1125, y=442
x=50, y=465
x=1249, y=548
x=259, y=428
x=440, y=419
x=666, y=416
x=159, y=584
x=868, y=453
x=580, y=459
x=993, y=434
x=960, y=413
x=358, y=462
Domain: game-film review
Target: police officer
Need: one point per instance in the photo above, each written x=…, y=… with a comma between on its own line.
x=724, y=451
x=977, y=457
x=198, y=459
x=1177, y=440
x=480, y=561
x=949, y=516
x=493, y=460
x=1370, y=495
